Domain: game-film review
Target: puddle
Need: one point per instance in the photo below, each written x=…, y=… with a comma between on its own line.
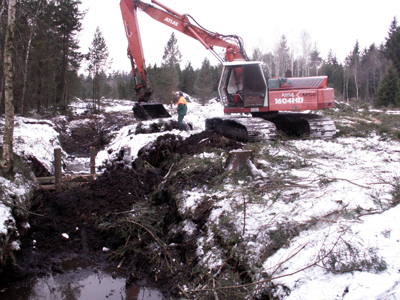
x=81, y=280
x=77, y=165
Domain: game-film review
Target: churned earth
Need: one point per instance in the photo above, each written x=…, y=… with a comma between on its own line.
x=87, y=221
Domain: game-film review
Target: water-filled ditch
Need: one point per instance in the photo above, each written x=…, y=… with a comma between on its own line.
x=80, y=279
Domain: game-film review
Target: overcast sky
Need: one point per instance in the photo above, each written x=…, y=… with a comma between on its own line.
x=335, y=25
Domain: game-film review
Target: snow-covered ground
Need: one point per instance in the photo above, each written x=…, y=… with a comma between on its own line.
x=338, y=201
x=332, y=205
x=32, y=138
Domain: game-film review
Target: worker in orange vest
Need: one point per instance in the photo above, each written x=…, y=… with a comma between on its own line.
x=182, y=111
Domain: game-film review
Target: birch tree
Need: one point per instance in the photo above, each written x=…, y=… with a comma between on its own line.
x=8, y=159
x=354, y=66
x=306, y=44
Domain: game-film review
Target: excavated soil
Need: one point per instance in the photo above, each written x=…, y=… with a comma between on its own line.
x=66, y=224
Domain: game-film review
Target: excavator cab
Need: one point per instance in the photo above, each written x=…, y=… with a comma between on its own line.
x=244, y=84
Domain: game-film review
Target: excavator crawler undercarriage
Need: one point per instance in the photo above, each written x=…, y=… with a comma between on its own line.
x=303, y=125
x=241, y=128
x=255, y=129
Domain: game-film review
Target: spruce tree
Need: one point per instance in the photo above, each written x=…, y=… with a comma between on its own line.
x=171, y=68
x=97, y=64
x=155, y=74
x=387, y=89
x=397, y=97
x=188, y=78
x=315, y=60
x=334, y=71
x=282, y=55
x=203, y=85
x=392, y=46
x=67, y=23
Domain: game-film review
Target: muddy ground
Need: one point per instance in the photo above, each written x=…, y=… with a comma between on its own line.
x=106, y=213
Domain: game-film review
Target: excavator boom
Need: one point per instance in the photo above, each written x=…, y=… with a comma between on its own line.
x=180, y=22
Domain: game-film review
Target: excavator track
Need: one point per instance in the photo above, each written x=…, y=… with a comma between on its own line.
x=244, y=129
x=255, y=129
x=309, y=125
x=321, y=127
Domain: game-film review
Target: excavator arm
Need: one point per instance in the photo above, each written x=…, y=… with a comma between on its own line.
x=232, y=43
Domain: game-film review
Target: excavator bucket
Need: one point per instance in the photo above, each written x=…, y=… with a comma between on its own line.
x=148, y=111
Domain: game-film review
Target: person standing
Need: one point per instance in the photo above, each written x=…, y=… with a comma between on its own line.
x=182, y=111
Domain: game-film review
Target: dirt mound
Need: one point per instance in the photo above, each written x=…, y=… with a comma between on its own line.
x=169, y=144
x=86, y=219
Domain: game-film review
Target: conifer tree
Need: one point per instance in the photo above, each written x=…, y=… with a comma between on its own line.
x=67, y=22
x=98, y=64
x=397, y=97
x=257, y=54
x=203, y=84
x=48, y=29
x=171, y=68
x=155, y=74
x=392, y=46
x=282, y=56
x=372, y=69
x=334, y=71
x=188, y=78
x=215, y=77
x=387, y=89
x=315, y=60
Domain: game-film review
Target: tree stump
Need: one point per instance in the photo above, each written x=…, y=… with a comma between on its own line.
x=239, y=160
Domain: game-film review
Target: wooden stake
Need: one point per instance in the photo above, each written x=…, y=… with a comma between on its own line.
x=57, y=167
x=92, y=160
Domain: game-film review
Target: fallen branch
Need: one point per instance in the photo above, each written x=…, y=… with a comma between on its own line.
x=27, y=211
x=343, y=179
x=349, y=181
x=273, y=278
x=169, y=171
x=290, y=257
x=160, y=242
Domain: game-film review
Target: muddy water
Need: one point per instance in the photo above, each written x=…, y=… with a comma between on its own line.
x=77, y=165
x=81, y=280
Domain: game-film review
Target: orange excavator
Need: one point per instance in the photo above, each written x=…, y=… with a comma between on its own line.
x=255, y=105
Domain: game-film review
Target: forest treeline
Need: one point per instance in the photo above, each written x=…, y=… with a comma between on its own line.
x=46, y=61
